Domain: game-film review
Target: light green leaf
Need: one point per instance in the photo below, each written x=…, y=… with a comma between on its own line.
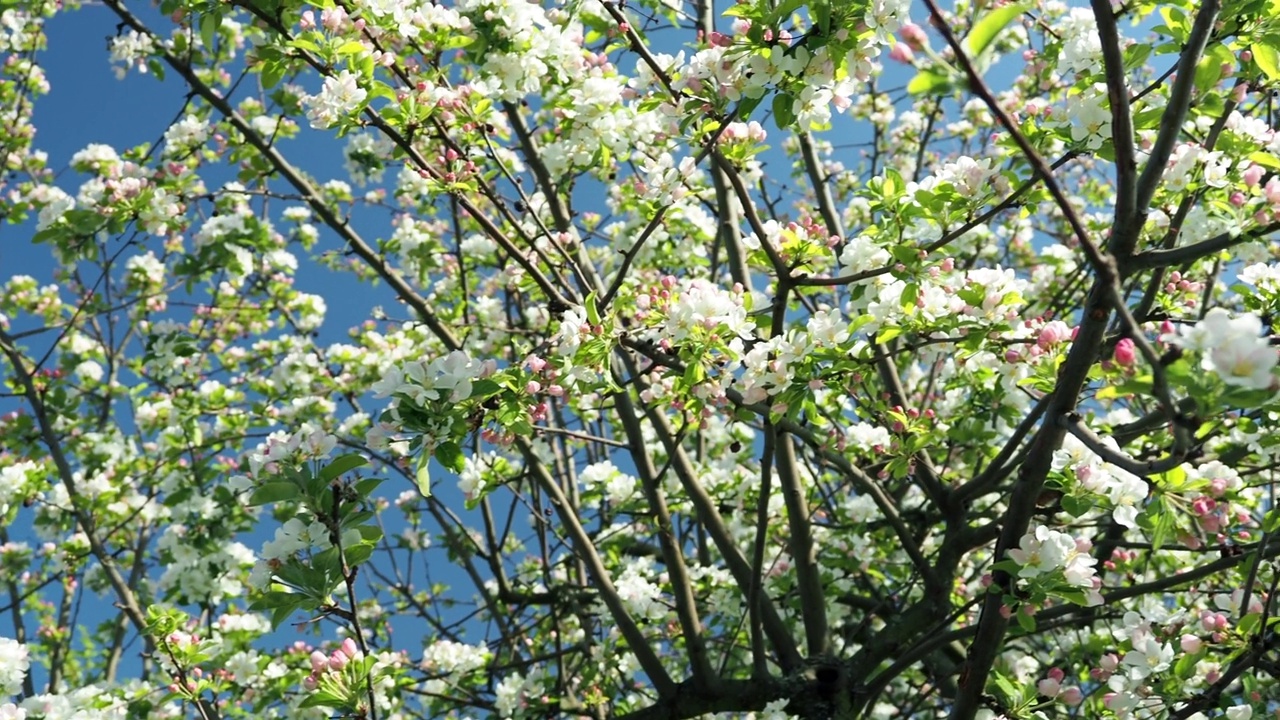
x=304, y=44
x=927, y=81
x=351, y=48
x=986, y=30
x=423, y=476
x=1265, y=159
x=887, y=334
x=1267, y=57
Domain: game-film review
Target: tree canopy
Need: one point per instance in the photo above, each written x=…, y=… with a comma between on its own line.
x=769, y=359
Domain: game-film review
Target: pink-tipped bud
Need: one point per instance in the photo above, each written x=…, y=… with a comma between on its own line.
x=338, y=660
x=902, y=53
x=914, y=36
x=1126, y=353
x=350, y=649
x=1190, y=644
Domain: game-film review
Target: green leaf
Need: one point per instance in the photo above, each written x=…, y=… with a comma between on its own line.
x=1186, y=665
x=928, y=82
x=358, y=555
x=342, y=464
x=304, y=44
x=178, y=497
x=782, y=13
x=1136, y=55
x=450, y=456
x=593, y=312
x=323, y=698
x=887, y=334
x=1271, y=522
x=986, y=30
x=274, y=492
x=910, y=294
x=1209, y=69
x=272, y=599
x=272, y=74
x=423, y=476
x=746, y=106
x=365, y=487
x=1162, y=523
x=209, y=24
x=1265, y=159
x=351, y=48
x=1076, y=506
x=1267, y=58
x=1025, y=621
x=784, y=110
x=281, y=614
x=694, y=373
x=1249, y=623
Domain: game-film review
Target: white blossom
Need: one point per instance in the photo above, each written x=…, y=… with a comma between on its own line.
x=341, y=95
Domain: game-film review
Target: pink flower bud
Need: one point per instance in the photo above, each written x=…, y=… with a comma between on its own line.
x=1071, y=695
x=1272, y=191
x=901, y=52
x=1208, y=620
x=1253, y=175
x=338, y=660
x=914, y=36
x=1049, y=687
x=1052, y=334
x=350, y=649
x=1190, y=644
x=1126, y=353
x=1203, y=505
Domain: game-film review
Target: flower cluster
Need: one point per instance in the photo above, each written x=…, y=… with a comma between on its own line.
x=327, y=665
x=340, y=96
x=1232, y=348
x=447, y=379
x=14, y=665
x=1045, y=551
x=1125, y=491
